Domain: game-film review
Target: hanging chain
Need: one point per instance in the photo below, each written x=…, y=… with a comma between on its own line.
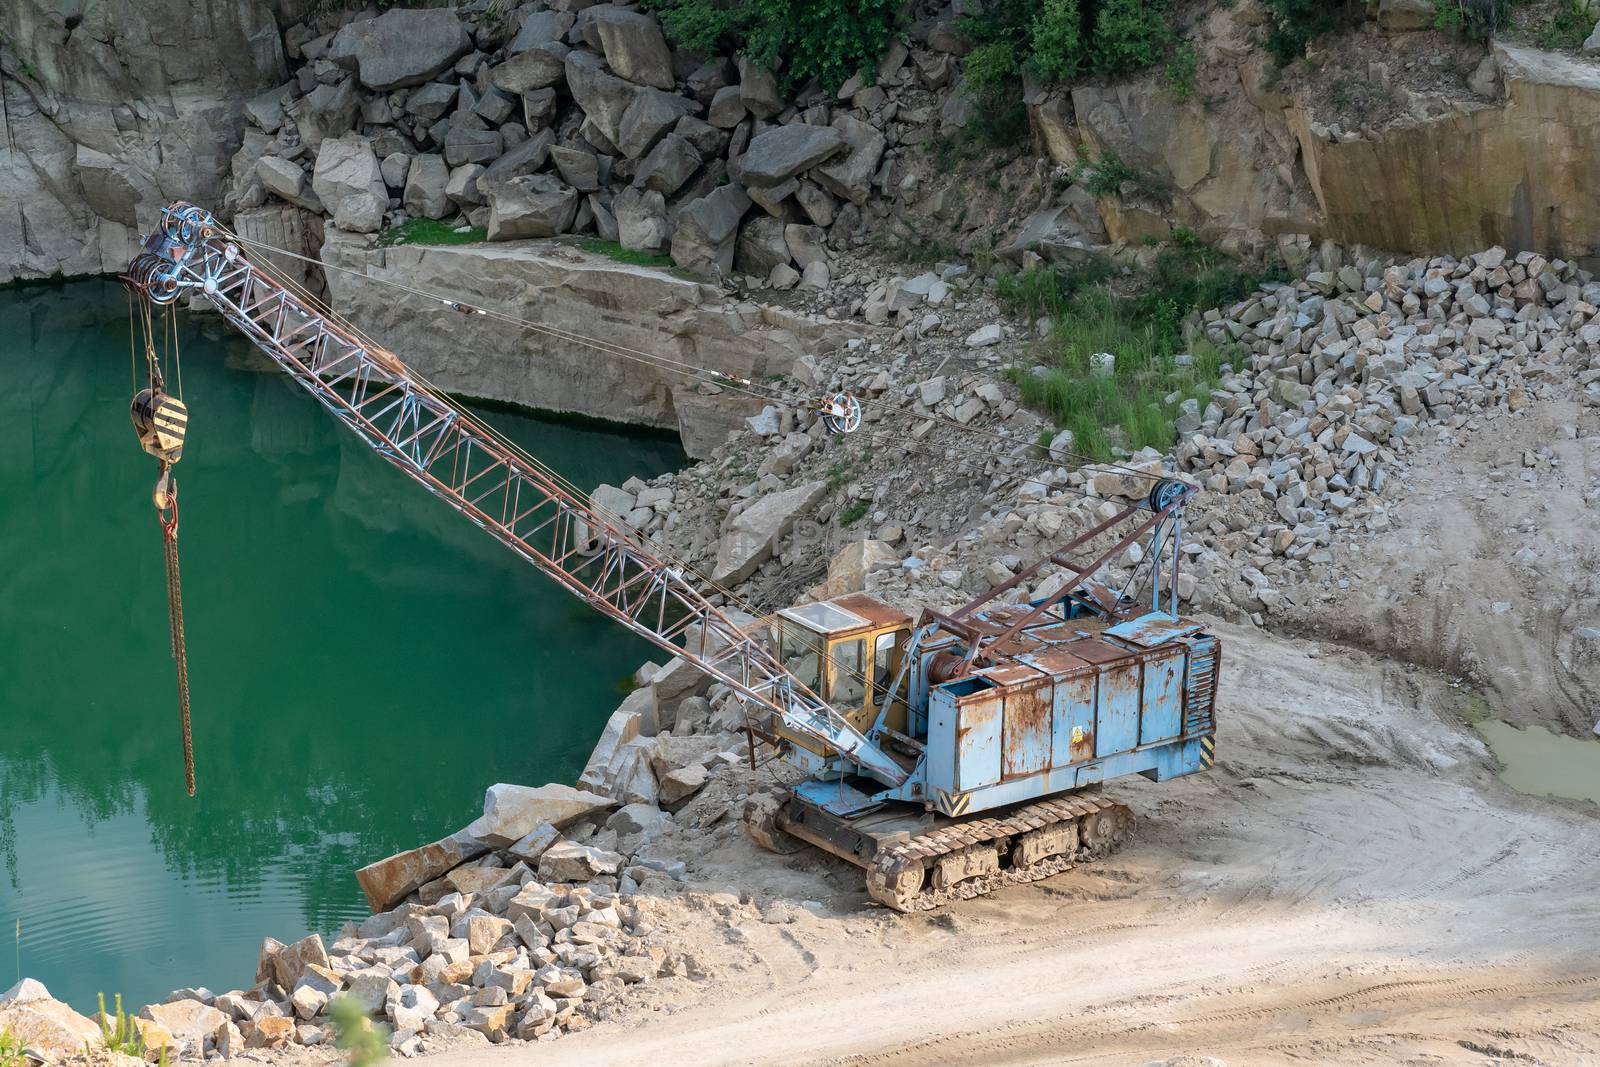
x=169, y=534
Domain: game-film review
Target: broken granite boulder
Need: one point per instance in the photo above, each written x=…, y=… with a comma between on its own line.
x=511, y=812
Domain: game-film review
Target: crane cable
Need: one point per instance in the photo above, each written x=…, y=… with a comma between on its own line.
x=160, y=420
x=658, y=361
x=649, y=359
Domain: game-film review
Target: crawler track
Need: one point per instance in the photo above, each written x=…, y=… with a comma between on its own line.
x=972, y=858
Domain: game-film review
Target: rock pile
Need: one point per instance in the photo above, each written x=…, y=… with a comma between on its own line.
x=527, y=949
x=586, y=121
x=1328, y=384
x=522, y=925
x=1347, y=370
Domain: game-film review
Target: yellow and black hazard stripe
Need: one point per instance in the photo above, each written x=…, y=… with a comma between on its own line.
x=952, y=803
x=1208, y=751
x=171, y=418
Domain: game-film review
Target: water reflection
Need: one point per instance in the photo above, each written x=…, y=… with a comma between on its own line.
x=363, y=662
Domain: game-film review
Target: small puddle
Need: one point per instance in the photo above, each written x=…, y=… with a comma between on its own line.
x=1534, y=760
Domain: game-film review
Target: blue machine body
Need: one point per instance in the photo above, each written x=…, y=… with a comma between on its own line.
x=1089, y=695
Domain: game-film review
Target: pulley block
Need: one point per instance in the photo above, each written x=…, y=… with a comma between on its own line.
x=160, y=421
x=841, y=413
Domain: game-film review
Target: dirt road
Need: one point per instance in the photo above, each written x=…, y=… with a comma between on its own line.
x=1352, y=885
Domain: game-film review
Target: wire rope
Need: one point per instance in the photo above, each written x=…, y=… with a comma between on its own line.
x=659, y=361
x=763, y=613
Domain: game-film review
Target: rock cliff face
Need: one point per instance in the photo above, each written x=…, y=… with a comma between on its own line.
x=649, y=310
x=1446, y=161
x=113, y=108
x=1521, y=172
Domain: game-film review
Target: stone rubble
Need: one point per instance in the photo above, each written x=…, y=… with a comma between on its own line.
x=546, y=121
x=524, y=925
x=1328, y=385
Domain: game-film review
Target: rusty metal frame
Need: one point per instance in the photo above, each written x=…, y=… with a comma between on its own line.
x=994, y=648
x=459, y=460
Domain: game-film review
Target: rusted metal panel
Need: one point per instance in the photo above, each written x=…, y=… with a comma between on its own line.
x=1027, y=731
x=1097, y=651
x=1162, y=692
x=874, y=611
x=978, y=735
x=1117, y=713
x=1007, y=674
x=998, y=621
x=1056, y=633
x=1072, y=726
x=1057, y=662
x=1153, y=629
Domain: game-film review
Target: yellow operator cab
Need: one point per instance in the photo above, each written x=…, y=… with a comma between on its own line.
x=847, y=651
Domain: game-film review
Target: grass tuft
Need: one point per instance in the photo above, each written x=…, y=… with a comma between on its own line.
x=633, y=256
x=853, y=513
x=1140, y=321
x=11, y=1049
x=118, y=1031
x=431, y=232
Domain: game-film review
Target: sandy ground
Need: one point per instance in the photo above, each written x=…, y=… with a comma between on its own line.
x=1351, y=885
x=1492, y=567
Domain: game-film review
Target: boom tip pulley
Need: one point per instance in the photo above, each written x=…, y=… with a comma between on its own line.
x=841, y=413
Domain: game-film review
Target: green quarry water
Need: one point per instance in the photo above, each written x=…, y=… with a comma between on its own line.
x=1535, y=760
x=363, y=661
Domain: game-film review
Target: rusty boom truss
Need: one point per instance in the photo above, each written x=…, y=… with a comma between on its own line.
x=518, y=501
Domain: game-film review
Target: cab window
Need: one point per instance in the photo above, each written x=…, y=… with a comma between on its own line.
x=802, y=656
x=883, y=662
x=849, y=673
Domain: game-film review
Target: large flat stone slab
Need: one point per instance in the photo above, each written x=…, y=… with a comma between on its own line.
x=389, y=881
x=645, y=308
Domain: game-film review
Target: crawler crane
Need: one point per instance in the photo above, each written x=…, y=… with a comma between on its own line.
x=946, y=756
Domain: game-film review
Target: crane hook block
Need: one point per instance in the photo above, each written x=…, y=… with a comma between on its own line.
x=841, y=413
x=160, y=421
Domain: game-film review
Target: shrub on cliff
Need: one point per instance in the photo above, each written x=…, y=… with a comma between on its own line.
x=1061, y=39
x=1294, y=24
x=829, y=40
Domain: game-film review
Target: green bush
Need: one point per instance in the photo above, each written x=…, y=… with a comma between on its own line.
x=1056, y=41
x=990, y=68
x=11, y=1049
x=1294, y=24
x=853, y=513
x=1568, y=26
x=1130, y=35
x=1179, y=73
x=1475, y=19
x=828, y=40
x=366, y=1042
x=1106, y=175
x=1060, y=39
